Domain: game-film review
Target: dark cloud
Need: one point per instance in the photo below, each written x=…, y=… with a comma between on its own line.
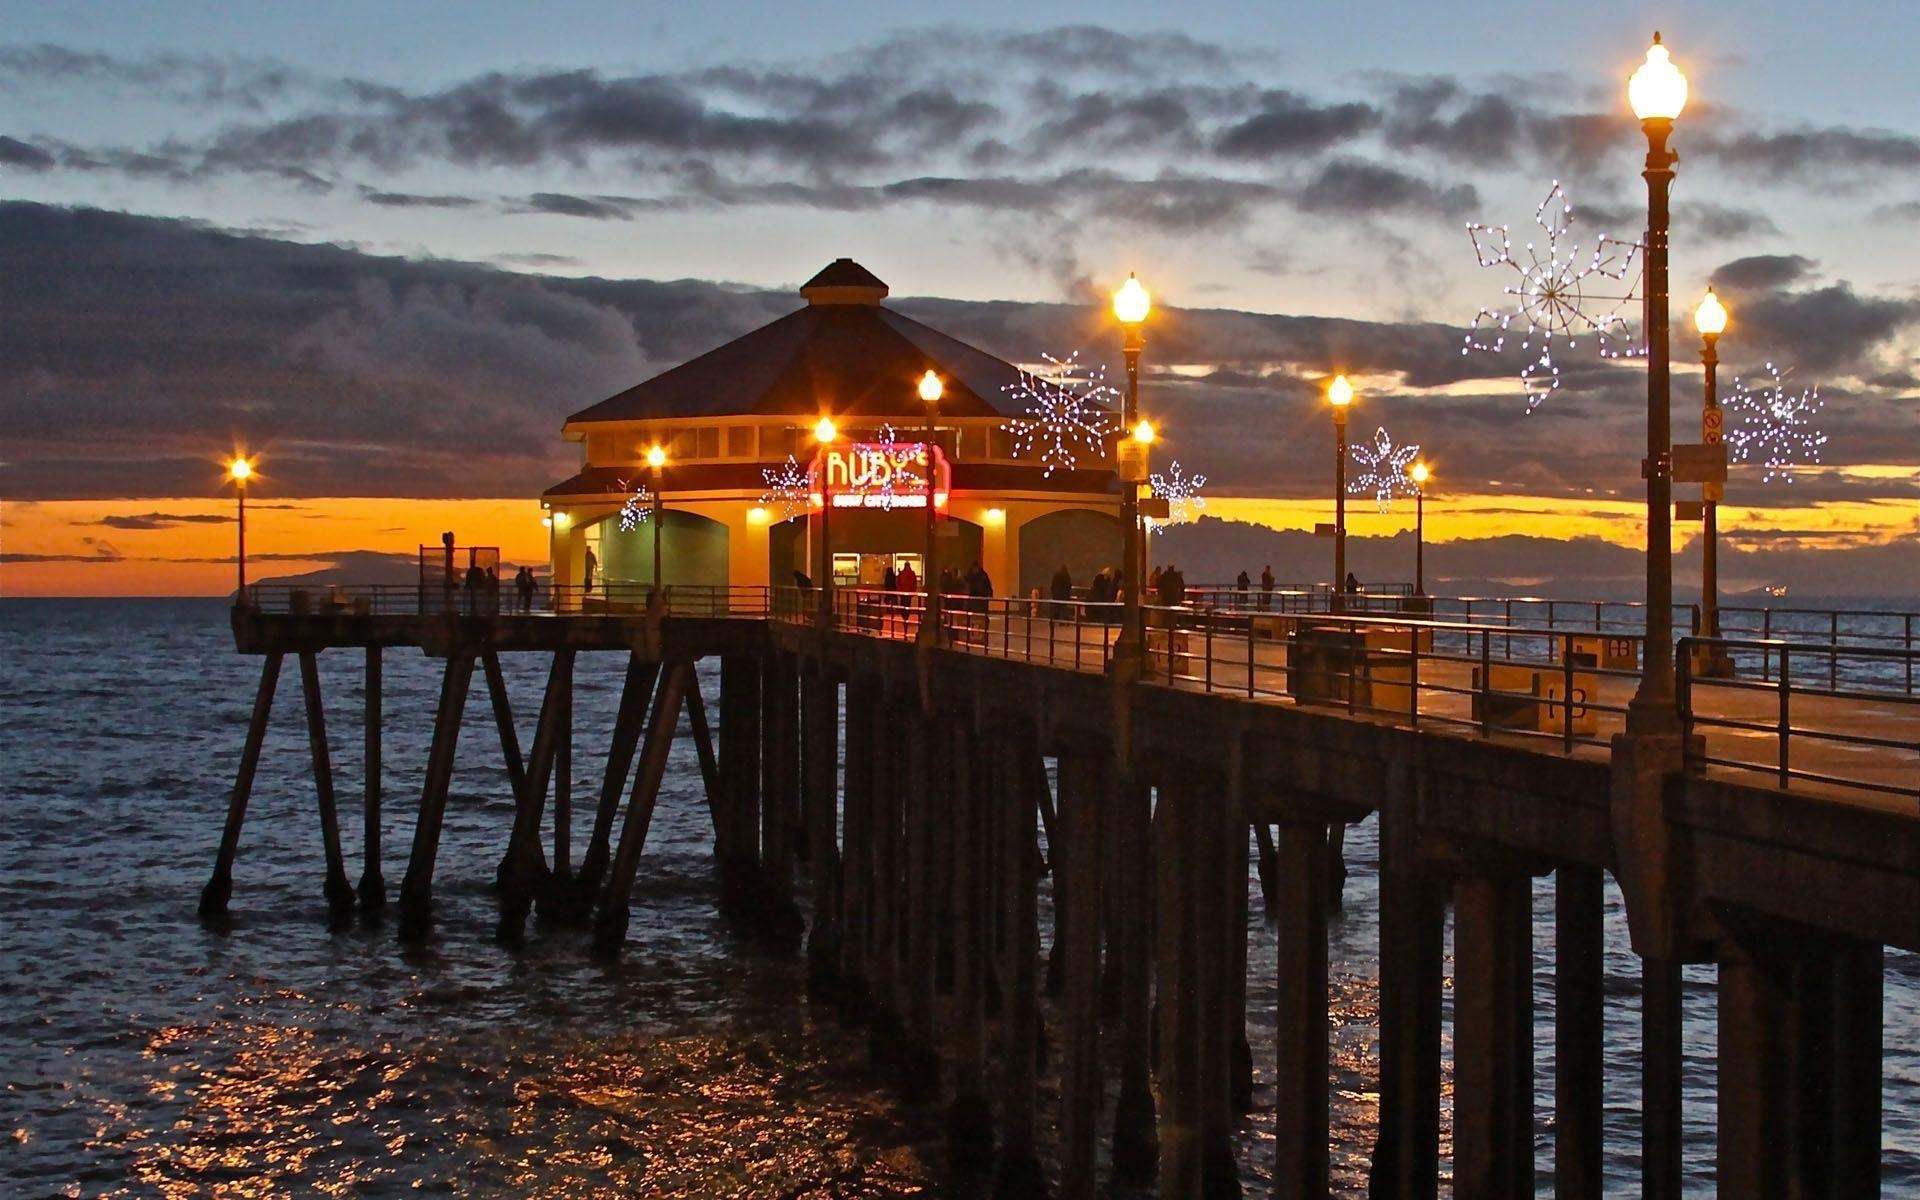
x=16, y=153
x=159, y=520
x=1352, y=186
x=1718, y=223
x=411, y=200
x=1812, y=154
x=1289, y=125
x=560, y=204
x=1761, y=272
x=1825, y=330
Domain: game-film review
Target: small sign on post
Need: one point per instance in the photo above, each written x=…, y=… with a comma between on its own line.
x=1323, y=529
x=1133, y=460
x=1155, y=508
x=1700, y=462
x=1689, y=510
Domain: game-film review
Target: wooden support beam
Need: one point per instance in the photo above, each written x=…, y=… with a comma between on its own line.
x=1218, y=821
x=1269, y=860
x=1662, y=1059
x=970, y=1116
x=563, y=786
x=886, y=1030
x=524, y=868
x=416, y=889
x=1579, y=1035
x=710, y=779
x=1300, y=1078
x=1493, y=1036
x=509, y=738
x=1177, y=967
x=820, y=718
x=1859, y=1020
x=780, y=794
x=922, y=794
x=1406, y=1156
x=1077, y=885
x=1019, y=1174
x=338, y=891
x=635, y=693
x=219, y=889
x=1756, y=1110
x=855, y=916
x=1136, y=1145
x=741, y=887
x=610, y=922
x=373, y=886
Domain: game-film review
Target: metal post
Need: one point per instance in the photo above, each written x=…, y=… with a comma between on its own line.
x=1785, y=721
x=1420, y=543
x=657, y=597
x=240, y=495
x=1132, y=567
x=1710, y=493
x=1651, y=710
x=1339, y=602
x=823, y=554
x=930, y=618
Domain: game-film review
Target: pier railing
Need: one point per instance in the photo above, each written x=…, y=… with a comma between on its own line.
x=1841, y=715
x=609, y=598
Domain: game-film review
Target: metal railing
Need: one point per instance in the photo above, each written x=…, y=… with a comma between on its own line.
x=1797, y=712
x=610, y=598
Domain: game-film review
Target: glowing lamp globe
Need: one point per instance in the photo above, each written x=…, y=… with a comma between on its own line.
x=1131, y=304
x=656, y=457
x=1340, y=392
x=824, y=431
x=1657, y=90
x=1710, y=318
x=239, y=470
x=930, y=389
x=1144, y=433
x=1420, y=474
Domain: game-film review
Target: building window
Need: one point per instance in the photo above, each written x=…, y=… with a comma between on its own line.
x=740, y=441
x=707, y=443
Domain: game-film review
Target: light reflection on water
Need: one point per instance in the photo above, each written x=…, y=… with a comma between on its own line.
x=163, y=1058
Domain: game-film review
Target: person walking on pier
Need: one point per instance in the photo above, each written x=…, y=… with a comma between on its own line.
x=1243, y=585
x=476, y=580
x=1062, y=584
x=593, y=566
x=524, y=585
x=1266, y=587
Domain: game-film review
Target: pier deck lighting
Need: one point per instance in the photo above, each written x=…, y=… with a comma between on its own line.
x=1131, y=304
x=931, y=388
x=1419, y=472
x=1710, y=318
x=1144, y=433
x=239, y=470
x=824, y=431
x=1340, y=397
x=656, y=457
x=1658, y=93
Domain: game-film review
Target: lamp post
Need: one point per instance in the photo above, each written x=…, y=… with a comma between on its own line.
x=930, y=393
x=1339, y=396
x=824, y=434
x=240, y=470
x=1657, y=91
x=1419, y=473
x=1710, y=318
x=1131, y=304
x=656, y=463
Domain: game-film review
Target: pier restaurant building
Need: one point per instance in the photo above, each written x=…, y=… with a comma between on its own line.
x=738, y=422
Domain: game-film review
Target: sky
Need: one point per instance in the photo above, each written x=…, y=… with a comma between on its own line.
x=391, y=247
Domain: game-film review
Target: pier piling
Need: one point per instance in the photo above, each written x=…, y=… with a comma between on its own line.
x=373, y=886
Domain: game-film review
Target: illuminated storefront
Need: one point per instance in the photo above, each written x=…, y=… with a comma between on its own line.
x=744, y=476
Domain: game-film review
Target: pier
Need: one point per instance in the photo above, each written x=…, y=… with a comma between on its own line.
x=879, y=789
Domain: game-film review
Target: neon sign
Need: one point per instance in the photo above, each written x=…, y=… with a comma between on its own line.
x=880, y=475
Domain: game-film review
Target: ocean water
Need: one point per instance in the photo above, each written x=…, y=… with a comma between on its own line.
x=148, y=1054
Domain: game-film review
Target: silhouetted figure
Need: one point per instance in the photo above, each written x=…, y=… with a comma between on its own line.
x=1353, y=583
x=1153, y=580
x=906, y=580
x=1266, y=587
x=889, y=580
x=979, y=584
x=476, y=581
x=1243, y=585
x=1063, y=583
x=801, y=580
x=523, y=584
x=593, y=568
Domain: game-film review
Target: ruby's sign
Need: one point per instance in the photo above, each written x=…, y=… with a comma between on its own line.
x=880, y=475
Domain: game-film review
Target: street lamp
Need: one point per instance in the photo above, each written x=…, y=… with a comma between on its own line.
x=1419, y=473
x=930, y=393
x=656, y=462
x=824, y=434
x=1131, y=304
x=1710, y=318
x=1339, y=395
x=1657, y=91
x=239, y=471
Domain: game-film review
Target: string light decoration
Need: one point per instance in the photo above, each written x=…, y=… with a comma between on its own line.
x=637, y=509
x=901, y=475
x=1557, y=295
x=1182, y=494
x=786, y=494
x=1774, y=426
x=1070, y=412
x=1385, y=468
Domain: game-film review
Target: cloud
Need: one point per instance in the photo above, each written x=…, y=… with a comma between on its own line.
x=1287, y=124
x=596, y=208
x=410, y=200
x=1813, y=154
x=1761, y=272
x=16, y=153
x=158, y=520
x=1352, y=186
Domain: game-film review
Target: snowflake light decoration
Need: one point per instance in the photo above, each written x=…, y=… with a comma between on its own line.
x=637, y=509
x=1386, y=466
x=786, y=494
x=1182, y=494
x=1775, y=427
x=1556, y=295
x=899, y=473
x=1069, y=412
